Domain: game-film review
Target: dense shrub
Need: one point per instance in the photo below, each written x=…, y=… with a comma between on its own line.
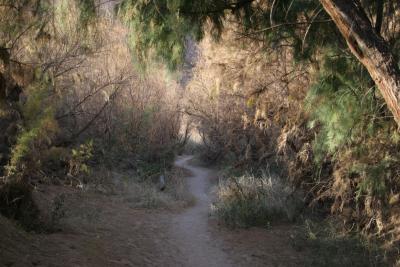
x=357, y=136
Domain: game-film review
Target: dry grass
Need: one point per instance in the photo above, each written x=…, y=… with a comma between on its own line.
x=256, y=201
x=146, y=194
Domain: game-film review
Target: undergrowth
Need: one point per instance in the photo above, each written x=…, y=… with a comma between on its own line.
x=328, y=246
x=16, y=203
x=255, y=200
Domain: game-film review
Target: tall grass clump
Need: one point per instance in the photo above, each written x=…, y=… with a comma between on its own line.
x=141, y=193
x=251, y=200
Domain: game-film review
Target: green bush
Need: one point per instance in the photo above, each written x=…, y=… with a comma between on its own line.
x=341, y=105
x=78, y=163
x=36, y=134
x=357, y=138
x=29, y=144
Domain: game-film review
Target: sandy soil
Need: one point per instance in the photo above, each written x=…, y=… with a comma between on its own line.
x=105, y=230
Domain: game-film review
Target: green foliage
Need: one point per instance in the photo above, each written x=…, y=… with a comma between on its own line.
x=36, y=134
x=159, y=29
x=29, y=143
x=79, y=160
x=38, y=104
x=155, y=24
x=87, y=10
x=341, y=103
x=373, y=183
x=353, y=130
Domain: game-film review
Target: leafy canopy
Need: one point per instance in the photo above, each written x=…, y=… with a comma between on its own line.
x=160, y=28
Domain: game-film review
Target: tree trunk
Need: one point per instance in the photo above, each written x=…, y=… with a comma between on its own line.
x=369, y=48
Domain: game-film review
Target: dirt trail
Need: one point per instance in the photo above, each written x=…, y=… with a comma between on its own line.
x=106, y=230
x=191, y=228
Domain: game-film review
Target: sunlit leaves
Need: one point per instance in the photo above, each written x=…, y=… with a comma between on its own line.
x=87, y=11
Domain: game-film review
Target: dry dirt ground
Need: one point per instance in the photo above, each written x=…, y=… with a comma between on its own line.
x=107, y=230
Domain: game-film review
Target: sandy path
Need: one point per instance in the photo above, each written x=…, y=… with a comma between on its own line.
x=191, y=227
